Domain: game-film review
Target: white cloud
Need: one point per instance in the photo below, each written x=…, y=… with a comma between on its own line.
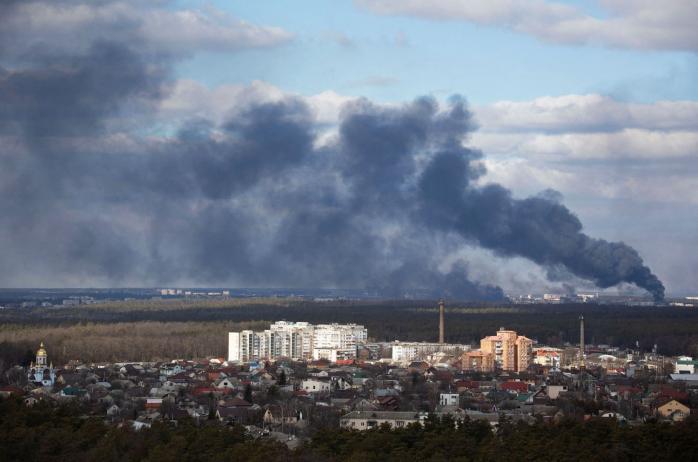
x=591, y=183
x=593, y=148
x=641, y=24
x=56, y=25
x=591, y=113
x=626, y=144
x=189, y=99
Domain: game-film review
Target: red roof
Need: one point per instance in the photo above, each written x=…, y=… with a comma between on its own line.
x=673, y=393
x=469, y=384
x=237, y=402
x=622, y=389
x=519, y=387
x=12, y=390
x=203, y=390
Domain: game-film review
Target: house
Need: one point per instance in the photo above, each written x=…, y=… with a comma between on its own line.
x=235, y=415
x=554, y=391
x=113, y=410
x=315, y=386
x=449, y=399
x=514, y=387
x=388, y=403
x=275, y=415
x=8, y=391
x=226, y=384
x=362, y=404
x=673, y=410
x=236, y=402
x=365, y=420
x=153, y=404
x=686, y=365
x=73, y=392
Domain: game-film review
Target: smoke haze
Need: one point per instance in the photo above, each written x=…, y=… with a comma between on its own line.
x=92, y=189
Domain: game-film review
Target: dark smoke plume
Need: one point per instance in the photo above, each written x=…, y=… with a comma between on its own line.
x=93, y=192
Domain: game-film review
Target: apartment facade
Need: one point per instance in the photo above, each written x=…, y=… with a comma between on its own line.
x=297, y=340
x=404, y=352
x=510, y=351
x=477, y=361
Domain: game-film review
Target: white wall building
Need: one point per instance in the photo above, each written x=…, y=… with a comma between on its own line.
x=685, y=365
x=547, y=356
x=449, y=399
x=404, y=352
x=297, y=340
x=315, y=386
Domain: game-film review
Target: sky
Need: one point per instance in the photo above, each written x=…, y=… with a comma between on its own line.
x=256, y=143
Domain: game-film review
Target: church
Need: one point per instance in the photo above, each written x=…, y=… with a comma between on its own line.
x=42, y=373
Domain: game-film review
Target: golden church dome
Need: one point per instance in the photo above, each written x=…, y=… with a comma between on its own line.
x=41, y=351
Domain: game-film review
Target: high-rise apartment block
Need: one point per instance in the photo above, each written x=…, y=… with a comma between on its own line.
x=506, y=351
x=511, y=352
x=297, y=340
x=477, y=361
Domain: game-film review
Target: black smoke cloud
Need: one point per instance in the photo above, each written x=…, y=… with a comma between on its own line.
x=94, y=192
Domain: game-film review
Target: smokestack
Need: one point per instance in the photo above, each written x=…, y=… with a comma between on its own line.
x=441, y=321
x=581, y=341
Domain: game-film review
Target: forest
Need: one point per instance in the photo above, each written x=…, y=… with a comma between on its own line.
x=46, y=432
x=192, y=329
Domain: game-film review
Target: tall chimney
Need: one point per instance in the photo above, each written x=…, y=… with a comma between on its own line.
x=581, y=341
x=441, y=321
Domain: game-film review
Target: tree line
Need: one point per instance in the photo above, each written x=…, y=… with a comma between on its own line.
x=672, y=329
x=45, y=432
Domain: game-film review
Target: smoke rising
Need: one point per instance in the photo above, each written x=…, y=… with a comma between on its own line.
x=95, y=192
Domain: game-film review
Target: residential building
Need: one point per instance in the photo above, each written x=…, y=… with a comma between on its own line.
x=365, y=420
x=316, y=386
x=449, y=399
x=686, y=365
x=297, y=340
x=511, y=352
x=477, y=361
x=550, y=357
x=673, y=410
x=405, y=352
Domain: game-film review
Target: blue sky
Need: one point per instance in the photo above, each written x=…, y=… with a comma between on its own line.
x=341, y=47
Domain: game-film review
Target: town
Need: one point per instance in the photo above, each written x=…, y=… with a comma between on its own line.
x=290, y=380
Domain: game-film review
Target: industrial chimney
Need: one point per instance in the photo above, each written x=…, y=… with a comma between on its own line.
x=581, y=341
x=441, y=322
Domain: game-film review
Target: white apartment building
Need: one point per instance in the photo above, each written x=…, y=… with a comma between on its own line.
x=297, y=340
x=404, y=352
x=337, y=341
x=290, y=339
x=685, y=365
